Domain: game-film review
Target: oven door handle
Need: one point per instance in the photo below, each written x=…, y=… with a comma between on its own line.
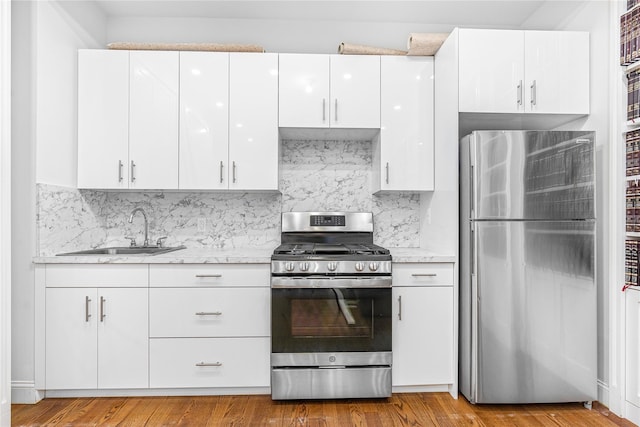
x=305, y=282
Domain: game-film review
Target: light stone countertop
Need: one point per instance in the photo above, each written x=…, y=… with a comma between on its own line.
x=224, y=256
x=183, y=256
x=407, y=255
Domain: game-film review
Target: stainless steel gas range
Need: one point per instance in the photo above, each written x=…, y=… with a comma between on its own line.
x=330, y=308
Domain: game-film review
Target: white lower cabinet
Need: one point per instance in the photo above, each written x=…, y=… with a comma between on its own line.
x=632, y=325
x=423, y=334
x=209, y=325
x=210, y=362
x=96, y=338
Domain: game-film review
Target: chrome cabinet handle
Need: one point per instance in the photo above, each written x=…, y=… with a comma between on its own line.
x=234, y=172
x=533, y=93
x=102, y=312
x=208, y=313
x=87, y=315
x=221, y=169
x=424, y=274
x=209, y=364
x=520, y=93
x=202, y=276
x=324, y=110
x=399, y=307
x=387, y=168
x=336, y=109
x=133, y=171
x=120, y=166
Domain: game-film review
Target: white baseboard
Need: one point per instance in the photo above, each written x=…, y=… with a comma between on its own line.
x=144, y=392
x=25, y=392
x=603, y=393
x=420, y=388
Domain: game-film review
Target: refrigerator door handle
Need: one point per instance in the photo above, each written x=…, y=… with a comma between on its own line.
x=471, y=193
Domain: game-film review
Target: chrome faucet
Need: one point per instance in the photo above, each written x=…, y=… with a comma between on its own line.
x=146, y=225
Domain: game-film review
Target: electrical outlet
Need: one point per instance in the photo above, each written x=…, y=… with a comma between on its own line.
x=202, y=225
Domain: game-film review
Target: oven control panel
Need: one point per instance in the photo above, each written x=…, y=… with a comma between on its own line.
x=327, y=221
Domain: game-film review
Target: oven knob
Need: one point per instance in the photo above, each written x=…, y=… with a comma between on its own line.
x=289, y=266
x=359, y=266
x=304, y=266
x=332, y=266
x=373, y=266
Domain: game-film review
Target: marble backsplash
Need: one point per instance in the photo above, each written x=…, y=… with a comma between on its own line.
x=314, y=175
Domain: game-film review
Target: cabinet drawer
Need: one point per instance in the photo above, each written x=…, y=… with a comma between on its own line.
x=96, y=275
x=209, y=362
x=209, y=312
x=203, y=275
x=423, y=274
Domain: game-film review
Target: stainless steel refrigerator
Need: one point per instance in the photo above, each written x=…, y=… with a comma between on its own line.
x=527, y=267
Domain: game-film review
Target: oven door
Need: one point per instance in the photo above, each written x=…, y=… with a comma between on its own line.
x=328, y=320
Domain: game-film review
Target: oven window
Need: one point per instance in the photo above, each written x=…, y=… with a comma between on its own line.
x=320, y=320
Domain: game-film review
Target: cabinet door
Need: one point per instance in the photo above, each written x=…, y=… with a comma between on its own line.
x=406, y=134
x=355, y=91
x=557, y=72
x=253, y=121
x=103, y=119
x=423, y=335
x=491, y=67
x=304, y=90
x=71, y=338
x=153, y=129
x=632, y=323
x=123, y=338
x=204, y=120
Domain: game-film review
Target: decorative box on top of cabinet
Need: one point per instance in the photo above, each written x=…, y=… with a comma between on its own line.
x=515, y=71
x=322, y=91
x=403, y=154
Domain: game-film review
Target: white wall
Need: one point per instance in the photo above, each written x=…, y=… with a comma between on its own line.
x=280, y=36
x=593, y=17
x=45, y=39
x=59, y=36
x=23, y=198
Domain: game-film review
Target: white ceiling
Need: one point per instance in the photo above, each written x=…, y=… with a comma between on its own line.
x=486, y=13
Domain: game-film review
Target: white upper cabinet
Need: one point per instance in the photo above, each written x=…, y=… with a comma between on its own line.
x=557, y=72
x=153, y=125
x=491, y=71
x=403, y=156
x=253, y=121
x=127, y=119
x=512, y=71
x=355, y=91
x=304, y=90
x=103, y=119
x=319, y=91
x=204, y=120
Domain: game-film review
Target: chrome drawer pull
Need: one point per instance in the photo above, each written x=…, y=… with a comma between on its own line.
x=424, y=274
x=209, y=313
x=209, y=364
x=204, y=276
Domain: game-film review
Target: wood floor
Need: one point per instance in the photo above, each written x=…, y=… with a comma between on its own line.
x=406, y=409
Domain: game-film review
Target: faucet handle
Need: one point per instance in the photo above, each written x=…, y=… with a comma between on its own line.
x=159, y=242
x=133, y=241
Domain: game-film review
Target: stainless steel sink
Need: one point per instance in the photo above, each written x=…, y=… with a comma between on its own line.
x=126, y=250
